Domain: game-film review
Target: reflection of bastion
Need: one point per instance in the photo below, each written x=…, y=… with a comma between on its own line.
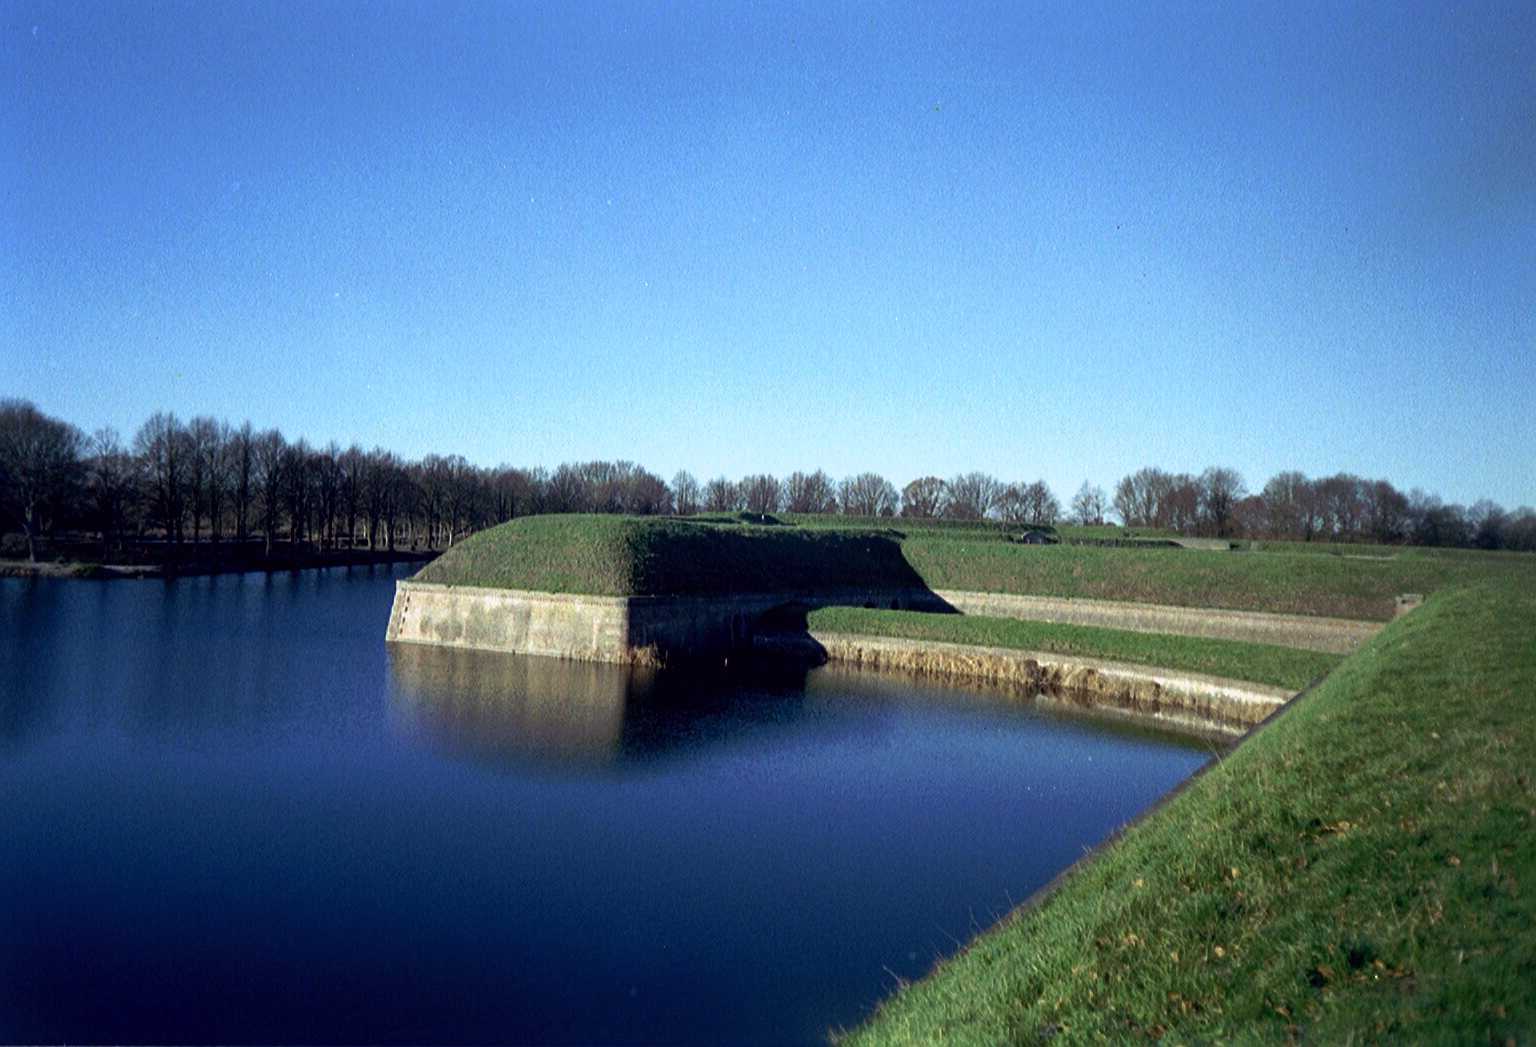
x=516, y=710
x=622, y=589
x=512, y=708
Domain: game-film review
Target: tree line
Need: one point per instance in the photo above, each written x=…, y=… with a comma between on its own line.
x=1338, y=508
x=204, y=481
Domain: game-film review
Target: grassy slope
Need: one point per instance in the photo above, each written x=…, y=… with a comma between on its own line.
x=1364, y=866
x=1260, y=663
x=616, y=556
x=1261, y=581
x=610, y=555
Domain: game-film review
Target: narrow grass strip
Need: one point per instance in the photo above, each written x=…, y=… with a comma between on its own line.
x=1233, y=659
x=1360, y=869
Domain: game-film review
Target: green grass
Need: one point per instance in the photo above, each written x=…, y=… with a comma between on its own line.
x=1255, y=581
x=1259, y=663
x=1330, y=579
x=612, y=555
x=620, y=556
x=1363, y=868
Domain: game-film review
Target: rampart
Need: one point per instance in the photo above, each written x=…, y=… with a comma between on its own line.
x=625, y=629
x=1333, y=635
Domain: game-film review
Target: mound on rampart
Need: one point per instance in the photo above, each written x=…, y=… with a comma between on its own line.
x=630, y=556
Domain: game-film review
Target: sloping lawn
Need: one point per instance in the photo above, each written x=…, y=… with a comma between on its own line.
x=1363, y=867
x=1256, y=662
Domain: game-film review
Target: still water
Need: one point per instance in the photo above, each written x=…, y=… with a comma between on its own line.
x=229, y=812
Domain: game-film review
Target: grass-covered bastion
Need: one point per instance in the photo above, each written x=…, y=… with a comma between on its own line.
x=1218, y=635
x=1360, y=867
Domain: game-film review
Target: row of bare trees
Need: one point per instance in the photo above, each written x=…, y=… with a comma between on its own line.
x=1338, y=508
x=204, y=481
x=1204, y=504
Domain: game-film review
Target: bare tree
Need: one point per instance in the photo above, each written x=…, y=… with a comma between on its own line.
x=1520, y=530
x=567, y=490
x=923, y=498
x=1342, y=505
x=204, y=441
x=722, y=496
x=1386, y=512
x=326, y=468
x=1249, y=515
x=458, y=494
x=515, y=492
x=971, y=496
x=1220, y=491
x=1180, y=505
x=868, y=494
x=1040, y=505
x=39, y=462
x=1285, y=498
x=160, y=448
x=1089, y=504
x=110, y=479
x=1139, y=498
x=269, y=454
x=242, y=469
x=646, y=494
x=375, y=491
x=298, y=492
x=687, y=498
x=761, y=493
x=349, y=480
x=1012, y=505
x=1443, y=525
x=810, y=493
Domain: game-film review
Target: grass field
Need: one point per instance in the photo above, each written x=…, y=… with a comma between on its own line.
x=612, y=555
x=1259, y=663
x=1363, y=868
x=620, y=556
x=1295, y=583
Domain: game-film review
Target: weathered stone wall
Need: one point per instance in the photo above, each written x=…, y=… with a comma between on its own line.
x=1188, y=698
x=1334, y=635
x=603, y=628
x=557, y=625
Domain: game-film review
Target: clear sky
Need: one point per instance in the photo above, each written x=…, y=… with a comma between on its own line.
x=1062, y=240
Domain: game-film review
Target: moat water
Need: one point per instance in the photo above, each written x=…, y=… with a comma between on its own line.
x=232, y=813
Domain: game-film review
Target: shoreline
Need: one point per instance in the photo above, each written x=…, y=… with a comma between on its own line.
x=85, y=570
x=1154, y=695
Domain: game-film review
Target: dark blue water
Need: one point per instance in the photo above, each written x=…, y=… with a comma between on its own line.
x=229, y=812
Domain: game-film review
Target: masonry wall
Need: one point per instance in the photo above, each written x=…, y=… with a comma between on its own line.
x=1334, y=635
x=604, y=628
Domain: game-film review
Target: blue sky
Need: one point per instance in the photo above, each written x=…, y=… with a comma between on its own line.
x=1061, y=240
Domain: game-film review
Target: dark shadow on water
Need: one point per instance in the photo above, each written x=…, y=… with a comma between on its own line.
x=520, y=711
x=984, y=697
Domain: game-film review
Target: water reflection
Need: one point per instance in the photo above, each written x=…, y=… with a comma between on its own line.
x=988, y=698
x=26, y=699
x=498, y=708
x=517, y=711
x=234, y=799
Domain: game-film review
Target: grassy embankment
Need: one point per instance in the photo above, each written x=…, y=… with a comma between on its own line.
x=1362, y=867
x=1259, y=663
x=1283, y=582
x=624, y=556
x=611, y=555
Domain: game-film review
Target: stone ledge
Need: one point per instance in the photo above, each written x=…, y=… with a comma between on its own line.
x=1232, y=706
x=1332, y=635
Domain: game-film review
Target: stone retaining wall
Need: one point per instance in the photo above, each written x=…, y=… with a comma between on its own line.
x=1334, y=635
x=632, y=629
x=1191, y=699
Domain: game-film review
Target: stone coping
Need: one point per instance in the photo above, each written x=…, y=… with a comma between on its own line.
x=1314, y=633
x=1232, y=706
